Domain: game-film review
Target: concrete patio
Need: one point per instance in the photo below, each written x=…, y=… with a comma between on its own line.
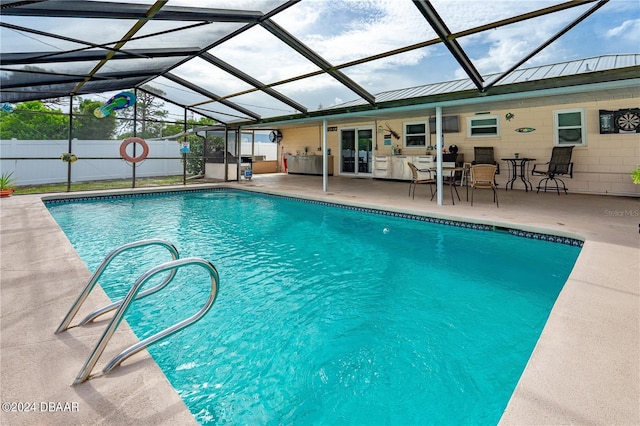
x=585, y=368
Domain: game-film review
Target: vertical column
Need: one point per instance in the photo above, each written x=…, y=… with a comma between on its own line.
x=439, y=153
x=325, y=157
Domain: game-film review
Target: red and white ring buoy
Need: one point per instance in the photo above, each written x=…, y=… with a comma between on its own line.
x=127, y=157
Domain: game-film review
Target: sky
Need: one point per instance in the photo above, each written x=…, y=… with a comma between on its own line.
x=343, y=31
x=346, y=30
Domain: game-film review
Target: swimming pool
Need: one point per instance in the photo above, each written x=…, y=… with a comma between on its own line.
x=323, y=317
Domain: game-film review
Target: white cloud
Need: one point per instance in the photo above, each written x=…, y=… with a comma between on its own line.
x=629, y=30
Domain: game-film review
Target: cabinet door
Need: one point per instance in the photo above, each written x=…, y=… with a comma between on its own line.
x=400, y=168
x=425, y=161
x=381, y=166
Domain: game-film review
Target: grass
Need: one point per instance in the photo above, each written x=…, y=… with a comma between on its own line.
x=101, y=184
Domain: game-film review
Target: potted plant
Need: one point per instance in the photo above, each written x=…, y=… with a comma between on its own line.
x=7, y=183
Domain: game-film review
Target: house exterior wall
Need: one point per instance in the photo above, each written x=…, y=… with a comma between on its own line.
x=603, y=166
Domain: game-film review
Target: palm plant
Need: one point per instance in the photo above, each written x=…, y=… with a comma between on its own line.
x=7, y=181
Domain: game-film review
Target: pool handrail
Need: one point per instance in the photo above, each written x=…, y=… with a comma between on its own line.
x=173, y=265
x=64, y=325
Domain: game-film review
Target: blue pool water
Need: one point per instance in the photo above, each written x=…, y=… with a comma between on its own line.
x=323, y=317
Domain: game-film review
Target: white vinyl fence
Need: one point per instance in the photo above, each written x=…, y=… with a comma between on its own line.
x=35, y=172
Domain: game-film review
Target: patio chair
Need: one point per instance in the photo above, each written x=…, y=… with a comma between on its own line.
x=484, y=155
x=416, y=180
x=559, y=165
x=483, y=177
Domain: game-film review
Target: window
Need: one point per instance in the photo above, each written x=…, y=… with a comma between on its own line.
x=483, y=126
x=449, y=124
x=570, y=127
x=415, y=134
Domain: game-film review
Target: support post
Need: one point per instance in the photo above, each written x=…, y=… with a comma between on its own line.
x=184, y=154
x=439, y=153
x=325, y=157
x=135, y=133
x=70, y=146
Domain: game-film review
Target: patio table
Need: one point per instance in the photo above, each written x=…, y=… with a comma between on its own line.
x=517, y=170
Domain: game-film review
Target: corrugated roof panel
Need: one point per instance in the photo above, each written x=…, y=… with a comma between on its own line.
x=605, y=63
x=527, y=74
x=413, y=92
x=562, y=69
x=426, y=90
x=616, y=61
x=541, y=72
x=385, y=97
x=464, y=85
x=429, y=89
x=588, y=65
x=622, y=61
x=573, y=67
x=511, y=78
x=556, y=70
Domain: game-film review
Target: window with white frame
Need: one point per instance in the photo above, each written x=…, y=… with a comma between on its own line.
x=570, y=127
x=483, y=126
x=415, y=134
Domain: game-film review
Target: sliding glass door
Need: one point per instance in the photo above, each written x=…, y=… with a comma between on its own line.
x=356, y=151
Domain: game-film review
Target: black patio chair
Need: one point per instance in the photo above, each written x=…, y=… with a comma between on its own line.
x=484, y=155
x=559, y=165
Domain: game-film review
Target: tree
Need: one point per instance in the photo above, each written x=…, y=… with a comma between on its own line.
x=34, y=120
x=87, y=126
x=150, y=114
x=194, y=159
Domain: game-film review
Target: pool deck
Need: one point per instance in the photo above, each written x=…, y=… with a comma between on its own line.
x=585, y=368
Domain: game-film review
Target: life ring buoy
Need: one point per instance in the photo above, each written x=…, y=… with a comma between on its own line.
x=136, y=159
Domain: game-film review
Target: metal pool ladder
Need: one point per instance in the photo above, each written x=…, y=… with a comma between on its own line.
x=123, y=305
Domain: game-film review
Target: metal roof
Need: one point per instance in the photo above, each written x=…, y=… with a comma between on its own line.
x=586, y=67
x=197, y=56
